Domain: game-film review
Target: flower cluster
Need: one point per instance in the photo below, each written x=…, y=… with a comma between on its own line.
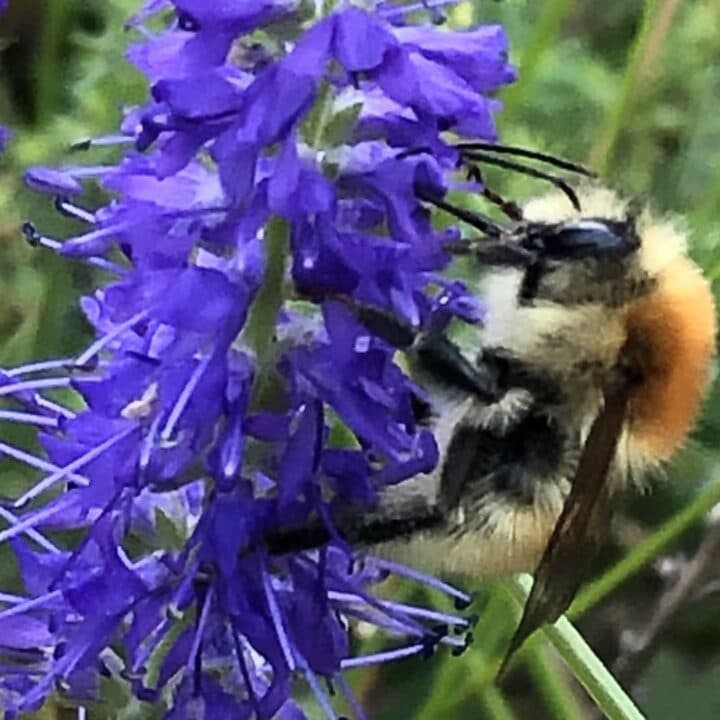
x=275, y=162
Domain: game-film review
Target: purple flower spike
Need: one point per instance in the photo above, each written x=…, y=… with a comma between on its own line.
x=275, y=158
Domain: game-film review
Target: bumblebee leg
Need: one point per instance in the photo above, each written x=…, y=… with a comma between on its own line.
x=492, y=252
x=403, y=511
x=458, y=464
x=313, y=534
x=444, y=362
x=435, y=354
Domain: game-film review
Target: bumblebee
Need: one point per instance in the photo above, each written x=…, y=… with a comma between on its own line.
x=594, y=359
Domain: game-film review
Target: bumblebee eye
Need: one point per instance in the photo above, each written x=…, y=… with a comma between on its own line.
x=582, y=239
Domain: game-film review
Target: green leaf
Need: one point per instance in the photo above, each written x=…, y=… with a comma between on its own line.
x=338, y=129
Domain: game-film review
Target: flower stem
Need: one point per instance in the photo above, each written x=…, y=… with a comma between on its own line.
x=54, y=23
x=552, y=685
x=646, y=551
x=602, y=153
x=319, y=117
x=587, y=668
x=259, y=332
x=546, y=29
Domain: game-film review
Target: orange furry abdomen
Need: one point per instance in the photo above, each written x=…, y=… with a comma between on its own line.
x=671, y=335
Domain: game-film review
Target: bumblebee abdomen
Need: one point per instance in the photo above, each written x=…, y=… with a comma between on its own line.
x=671, y=340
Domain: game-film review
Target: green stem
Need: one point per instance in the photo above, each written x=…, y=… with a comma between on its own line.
x=558, y=697
x=543, y=39
x=47, y=66
x=602, y=152
x=259, y=332
x=603, y=688
x=587, y=668
x=647, y=550
x=320, y=116
x=260, y=327
x=495, y=705
x=480, y=692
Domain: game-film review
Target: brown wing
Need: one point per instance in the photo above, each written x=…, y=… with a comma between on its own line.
x=581, y=525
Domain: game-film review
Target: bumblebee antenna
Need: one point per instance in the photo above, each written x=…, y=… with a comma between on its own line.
x=554, y=160
x=480, y=222
x=482, y=152
x=489, y=159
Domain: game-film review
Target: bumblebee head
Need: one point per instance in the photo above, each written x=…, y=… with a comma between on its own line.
x=571, y=246
x=580, y=239
x=605, y=251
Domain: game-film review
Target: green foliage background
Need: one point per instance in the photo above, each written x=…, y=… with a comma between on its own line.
x=631, y=87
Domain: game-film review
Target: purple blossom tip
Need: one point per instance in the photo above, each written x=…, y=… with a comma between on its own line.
x=51, y=181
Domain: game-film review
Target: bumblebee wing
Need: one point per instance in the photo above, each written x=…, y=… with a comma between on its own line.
x=581, y=525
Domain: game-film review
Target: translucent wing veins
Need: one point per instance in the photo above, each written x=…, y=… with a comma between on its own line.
x=582, y=523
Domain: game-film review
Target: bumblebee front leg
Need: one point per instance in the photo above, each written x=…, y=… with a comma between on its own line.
x=435, y=354
x=496, y=253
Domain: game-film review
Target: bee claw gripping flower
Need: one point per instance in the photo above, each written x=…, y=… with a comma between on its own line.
x=266, y=163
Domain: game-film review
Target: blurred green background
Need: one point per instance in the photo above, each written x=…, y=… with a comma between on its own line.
x=631, y=87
